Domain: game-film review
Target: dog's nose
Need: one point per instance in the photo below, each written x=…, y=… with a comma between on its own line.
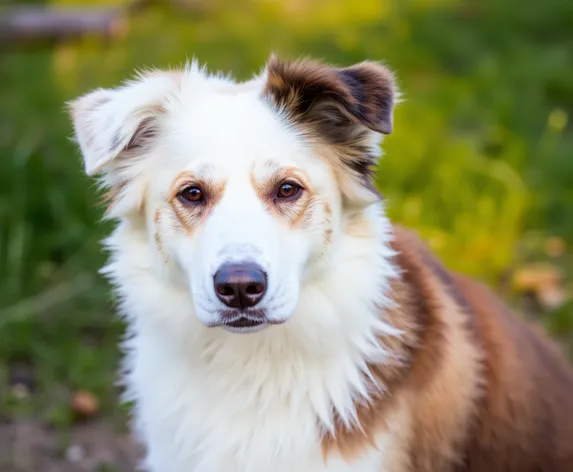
x=240, y=285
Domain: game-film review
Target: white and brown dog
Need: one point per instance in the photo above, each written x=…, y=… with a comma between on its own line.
x=278, y=322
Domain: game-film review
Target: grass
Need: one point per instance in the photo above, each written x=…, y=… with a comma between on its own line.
x=480, y=162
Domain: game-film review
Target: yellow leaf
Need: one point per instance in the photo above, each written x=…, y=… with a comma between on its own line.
x=534, y=277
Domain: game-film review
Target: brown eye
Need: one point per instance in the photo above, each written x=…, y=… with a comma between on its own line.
x=288, y=190
x=191, y=194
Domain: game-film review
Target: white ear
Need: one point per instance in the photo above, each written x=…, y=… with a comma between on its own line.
x=110, y=122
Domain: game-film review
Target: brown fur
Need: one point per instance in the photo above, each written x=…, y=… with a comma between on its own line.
x=335, y=108
x=364, y=93
x=476, y=389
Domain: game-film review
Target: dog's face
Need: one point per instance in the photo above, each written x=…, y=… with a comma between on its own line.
x=242, y=189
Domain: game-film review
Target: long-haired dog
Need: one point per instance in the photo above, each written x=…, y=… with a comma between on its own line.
x=277, y=321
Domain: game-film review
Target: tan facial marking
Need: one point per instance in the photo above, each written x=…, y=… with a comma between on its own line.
x=328, y=224
x=157, y=233
x=293, y=211
x=301, y=213
x=190, y=214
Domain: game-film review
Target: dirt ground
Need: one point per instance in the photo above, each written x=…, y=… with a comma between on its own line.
x=28, y=446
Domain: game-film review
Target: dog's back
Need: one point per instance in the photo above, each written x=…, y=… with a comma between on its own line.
x=525, y=419
x=522, y=418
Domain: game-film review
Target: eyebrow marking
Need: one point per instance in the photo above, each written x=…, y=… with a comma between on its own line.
x=294, y=211
x=192, y=215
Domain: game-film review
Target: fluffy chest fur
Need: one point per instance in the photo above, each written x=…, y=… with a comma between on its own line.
x=208, y=400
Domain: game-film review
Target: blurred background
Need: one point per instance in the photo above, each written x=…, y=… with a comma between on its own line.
x=481, y=163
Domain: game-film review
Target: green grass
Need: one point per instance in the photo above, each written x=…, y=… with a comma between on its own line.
x=481, y=162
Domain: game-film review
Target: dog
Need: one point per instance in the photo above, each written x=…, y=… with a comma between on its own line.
x=276, y=319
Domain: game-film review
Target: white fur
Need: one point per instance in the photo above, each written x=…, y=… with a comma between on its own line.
x=206, y=399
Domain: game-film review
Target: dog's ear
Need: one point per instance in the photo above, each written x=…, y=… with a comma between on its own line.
x=116, y=130
x=120, y=122
x=363, y=94
x=346, y=109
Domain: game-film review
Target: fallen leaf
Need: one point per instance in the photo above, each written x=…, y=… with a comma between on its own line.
x=535, y=277
x=544, y=281
x=84, y=403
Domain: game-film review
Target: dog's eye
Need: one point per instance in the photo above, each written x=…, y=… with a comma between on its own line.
x=288, y=190
x=191, y=194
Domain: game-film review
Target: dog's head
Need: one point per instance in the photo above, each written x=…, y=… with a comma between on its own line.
x=241, y=188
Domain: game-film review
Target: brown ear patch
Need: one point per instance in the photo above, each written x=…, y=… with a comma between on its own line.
x=333, y=98
x=337, y=109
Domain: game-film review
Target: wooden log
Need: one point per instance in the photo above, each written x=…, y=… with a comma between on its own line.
x=21, y=25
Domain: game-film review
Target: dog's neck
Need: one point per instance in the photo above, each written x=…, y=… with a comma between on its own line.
x=318, y=363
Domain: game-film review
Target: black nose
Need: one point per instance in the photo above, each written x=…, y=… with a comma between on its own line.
x=240, y=285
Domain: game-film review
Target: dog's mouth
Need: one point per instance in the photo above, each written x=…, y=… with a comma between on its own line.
x=248, y=321
x=245, y=322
